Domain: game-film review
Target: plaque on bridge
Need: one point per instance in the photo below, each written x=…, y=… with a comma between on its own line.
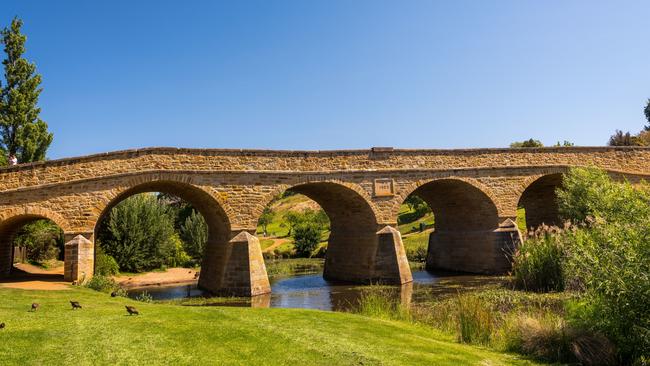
x=384, y=187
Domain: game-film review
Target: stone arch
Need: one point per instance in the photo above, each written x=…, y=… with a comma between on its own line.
x=352, y=244
x=12, y=220
x=279, y=189
x=412, y=187
x=467, y=235
x=457, y=202
x=146, y=182
x=209, y=205
x=539, y=200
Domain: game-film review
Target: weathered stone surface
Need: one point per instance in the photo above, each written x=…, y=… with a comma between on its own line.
x=245, y=273
x=79, y=259
x=391, y=264
x=471, y=192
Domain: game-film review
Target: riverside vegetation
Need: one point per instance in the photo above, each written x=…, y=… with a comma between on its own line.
x=580, y=293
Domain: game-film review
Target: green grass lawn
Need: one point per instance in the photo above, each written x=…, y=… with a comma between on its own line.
x=416, y=240
x=102, y=333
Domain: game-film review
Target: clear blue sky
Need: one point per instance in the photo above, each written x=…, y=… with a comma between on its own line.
x=335, y=74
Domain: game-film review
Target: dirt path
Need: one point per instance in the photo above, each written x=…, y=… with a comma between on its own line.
x=170, y=276
x=29, y=277
x=276, y=244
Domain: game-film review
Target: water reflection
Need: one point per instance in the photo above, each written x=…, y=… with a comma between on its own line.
x=314, y=292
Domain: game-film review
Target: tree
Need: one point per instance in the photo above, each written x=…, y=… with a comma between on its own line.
x=646, y=111
x=622, y=139
x=266, y=218
x=527, y=143
x=22, y=132
x=413, y=201
x=43, y=240
x=565, y=143
x=139, y=233
x=194, y=233
x=293, y=219
x=306, y=237
x=321, y=219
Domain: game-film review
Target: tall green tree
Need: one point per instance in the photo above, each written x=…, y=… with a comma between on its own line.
x=194, y=233
x=22, y=132
x=139, y=233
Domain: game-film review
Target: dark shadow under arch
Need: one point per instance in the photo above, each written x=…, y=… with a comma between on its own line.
x=8, y=230
x=352, y=243
x=466, y=234
x=539, y=201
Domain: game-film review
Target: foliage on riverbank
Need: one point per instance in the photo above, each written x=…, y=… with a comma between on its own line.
x=604, y=254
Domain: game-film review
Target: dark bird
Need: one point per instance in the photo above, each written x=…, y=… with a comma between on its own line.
x=113, y=294
x=75, y=305
x=2, y=325
x=131, y=310
x=35, y=306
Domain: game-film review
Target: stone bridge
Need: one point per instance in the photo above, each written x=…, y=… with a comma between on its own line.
x=473, y=193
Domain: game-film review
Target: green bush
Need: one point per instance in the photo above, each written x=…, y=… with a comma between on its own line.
x=43, y=240
x=105, y=265
x=138, y=233
x=538, y=263
x=102, y=284
x=194, y=233
x=178, y=257
x=306, y=237
x=417, y=254
x=609, y=258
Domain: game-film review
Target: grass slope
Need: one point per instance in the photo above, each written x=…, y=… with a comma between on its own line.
x=102, y=333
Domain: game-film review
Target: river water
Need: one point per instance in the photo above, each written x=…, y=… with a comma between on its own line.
x=311, y=291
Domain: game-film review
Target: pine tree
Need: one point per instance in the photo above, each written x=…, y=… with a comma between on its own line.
x=22, y=132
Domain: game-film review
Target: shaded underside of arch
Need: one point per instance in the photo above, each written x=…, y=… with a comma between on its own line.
x=539, y=200
x=352, y=243
x=466, y=234
x=219, y=230
x=8, y=230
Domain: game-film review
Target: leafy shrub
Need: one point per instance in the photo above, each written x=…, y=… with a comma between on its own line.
x=417, y=254
x=138, y=233
x=610, y=258
x=43, y=240
x=102, y=284
x=320, y=252
x=178, y=257
x=306, y=237
x=194, y=233
x=105, y=265
x=590, y=193
x=538, y=263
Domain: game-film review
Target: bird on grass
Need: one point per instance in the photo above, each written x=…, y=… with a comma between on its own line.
x=75, y=305
x=131, y=310
x=2, y=325
x=114, y=294
x=35, y=306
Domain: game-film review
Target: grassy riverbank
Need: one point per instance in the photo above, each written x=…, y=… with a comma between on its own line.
x=102, y=333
